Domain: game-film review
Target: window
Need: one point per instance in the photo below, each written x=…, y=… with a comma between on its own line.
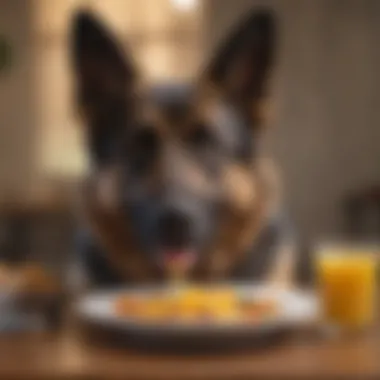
x=162, y=35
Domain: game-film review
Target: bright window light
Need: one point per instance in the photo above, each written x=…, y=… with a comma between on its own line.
x=184, y=5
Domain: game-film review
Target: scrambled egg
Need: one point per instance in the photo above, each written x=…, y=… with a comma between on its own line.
x=192, y=304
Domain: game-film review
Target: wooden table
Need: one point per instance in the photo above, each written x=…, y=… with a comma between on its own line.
x=64, y=356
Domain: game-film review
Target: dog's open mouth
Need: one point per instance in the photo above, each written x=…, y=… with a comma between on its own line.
x=177, y=261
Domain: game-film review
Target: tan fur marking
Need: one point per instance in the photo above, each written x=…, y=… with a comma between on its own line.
x=240, y=187
x=106, y=189
x=238, y=229
x=197, y=179
x=241, y=226
x=116, y=238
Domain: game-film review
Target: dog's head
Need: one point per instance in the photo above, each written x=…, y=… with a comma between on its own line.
x=186, y=156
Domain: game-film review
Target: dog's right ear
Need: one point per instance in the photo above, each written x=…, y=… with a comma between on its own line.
x=104, y=77
x=240, y=69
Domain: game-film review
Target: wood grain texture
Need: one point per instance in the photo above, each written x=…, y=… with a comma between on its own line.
x=44, y=356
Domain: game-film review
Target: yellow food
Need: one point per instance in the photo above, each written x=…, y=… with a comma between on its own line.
x=193, y=304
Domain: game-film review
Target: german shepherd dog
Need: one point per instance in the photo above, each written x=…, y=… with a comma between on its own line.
x=176, y=171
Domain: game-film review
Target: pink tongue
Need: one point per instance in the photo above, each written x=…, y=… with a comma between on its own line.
x=181, y=259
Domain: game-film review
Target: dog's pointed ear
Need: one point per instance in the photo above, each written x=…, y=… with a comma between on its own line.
x=103, y=74
x=241, y=65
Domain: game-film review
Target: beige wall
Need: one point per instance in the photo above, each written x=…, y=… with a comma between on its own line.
x=327, y=94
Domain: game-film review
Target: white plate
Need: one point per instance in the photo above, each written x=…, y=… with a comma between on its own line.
x=296, y=308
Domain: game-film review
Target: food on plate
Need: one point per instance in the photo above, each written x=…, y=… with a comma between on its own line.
x=195, y=304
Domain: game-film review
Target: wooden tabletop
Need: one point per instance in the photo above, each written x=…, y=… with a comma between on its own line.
x=65, y=356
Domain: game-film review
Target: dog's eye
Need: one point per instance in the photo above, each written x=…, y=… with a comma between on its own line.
x=144, y=147
x=200, y=137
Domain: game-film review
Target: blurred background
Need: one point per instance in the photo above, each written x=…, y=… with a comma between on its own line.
x=325, y=135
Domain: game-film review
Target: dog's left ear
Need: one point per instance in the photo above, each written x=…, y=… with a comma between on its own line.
x=105, y=76
x=240, y=69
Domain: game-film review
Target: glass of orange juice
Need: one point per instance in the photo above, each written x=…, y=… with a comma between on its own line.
x=347, y=279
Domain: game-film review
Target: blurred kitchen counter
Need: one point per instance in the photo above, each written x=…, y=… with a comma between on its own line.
x=66, y=356
x=38, y=226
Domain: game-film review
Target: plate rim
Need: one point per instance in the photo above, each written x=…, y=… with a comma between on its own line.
x=127, y=324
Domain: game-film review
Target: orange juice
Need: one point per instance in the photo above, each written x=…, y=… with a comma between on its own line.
x=348, y=285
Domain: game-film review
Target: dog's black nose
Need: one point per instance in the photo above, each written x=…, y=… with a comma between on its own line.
x=174, y=229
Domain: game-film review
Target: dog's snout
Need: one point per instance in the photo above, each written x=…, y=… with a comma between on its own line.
x=174, y=229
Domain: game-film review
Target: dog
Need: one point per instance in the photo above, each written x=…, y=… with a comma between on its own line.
x=176, y=173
